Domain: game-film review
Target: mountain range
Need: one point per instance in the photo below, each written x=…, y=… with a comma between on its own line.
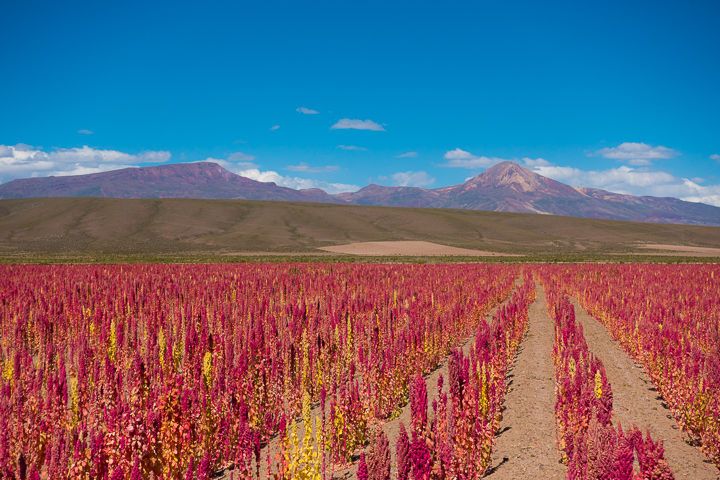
x=506, y=187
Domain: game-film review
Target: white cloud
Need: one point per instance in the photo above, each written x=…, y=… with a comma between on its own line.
x=85, y=132
x=637, y=153
x=406, y=155
x=412, y=179
x=241, y=157
x=250, y=170
x=715, y=156
x=708, y=199
x=634, y=181
x=346, y=123
x=274, y=127
x=232, y=166
x=295, y=182
x=22, y=161
x=538, y=162
x=91, y=156
x=459, y=158
x=304, y=167
x=351, y=147
x=307, y=111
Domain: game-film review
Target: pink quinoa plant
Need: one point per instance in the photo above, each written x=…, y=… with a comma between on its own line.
x=362, y=471
x=421, y=459
x=650, y=456
x=190, y=472
x=379, y=461
x=624, y=457
x=402, y=454
x=418, y=403
x=204, y=469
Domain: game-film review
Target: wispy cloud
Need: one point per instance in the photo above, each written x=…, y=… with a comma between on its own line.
x=347, y=123
x=252, y=171
x=274, y=127
x=241, y=157
x=637, y=154
x=459, y=158
x=304, y=167
x=295, y=182
x=407, y=155
x=634, y=181
x=412, y=179
x=715, y=156
x=351, y=147
x=22, y=161
x=537, y=162
x=85, y=132
x=307, y=111
x=232, y=166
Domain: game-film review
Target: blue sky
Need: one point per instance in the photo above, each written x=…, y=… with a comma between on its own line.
x=616, y=95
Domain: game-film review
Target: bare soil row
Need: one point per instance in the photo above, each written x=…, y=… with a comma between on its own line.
x=527, y=447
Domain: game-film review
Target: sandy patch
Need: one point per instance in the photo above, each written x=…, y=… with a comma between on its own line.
x=680, y=250
x=408, y=248
x=276, y=254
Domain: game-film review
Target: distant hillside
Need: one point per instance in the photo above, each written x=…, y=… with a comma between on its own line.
x=184, y=180
x=506, y=187
x=108, y=226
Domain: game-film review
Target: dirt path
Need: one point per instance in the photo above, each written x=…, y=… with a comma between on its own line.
x=636, y=401
x=526, y=448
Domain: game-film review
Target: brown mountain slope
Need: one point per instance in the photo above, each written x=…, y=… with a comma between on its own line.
x=184, y=180
x=123, y=226
x=506, y=187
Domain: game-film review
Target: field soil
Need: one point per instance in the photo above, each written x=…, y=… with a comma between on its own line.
x=526, y=446
x=406, y=248
x=635, y=400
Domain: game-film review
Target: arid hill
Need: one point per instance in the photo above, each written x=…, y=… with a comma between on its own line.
x=202, y=180
x=157, y=226
x=506, y=187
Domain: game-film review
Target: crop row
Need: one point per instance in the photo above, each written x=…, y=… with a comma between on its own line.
x=667, y=318
x=592, y=447
x=167, y=371
x=457, y=440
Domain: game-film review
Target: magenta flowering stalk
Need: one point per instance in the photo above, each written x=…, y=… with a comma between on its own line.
x=362, y=471
x=402, y=454
x=420, y=458
x=379, y=461
x=418, y=404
